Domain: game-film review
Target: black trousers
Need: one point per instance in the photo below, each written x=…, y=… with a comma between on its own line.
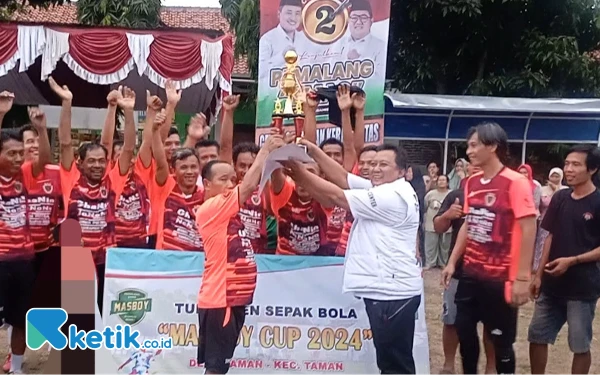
x=393, y=327
x=100, y=268
x=481, y=301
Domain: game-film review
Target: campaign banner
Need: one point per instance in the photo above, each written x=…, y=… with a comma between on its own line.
x=300, y=321
x=336, y=41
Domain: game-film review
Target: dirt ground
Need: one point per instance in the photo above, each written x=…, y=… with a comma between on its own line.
x=559, y=356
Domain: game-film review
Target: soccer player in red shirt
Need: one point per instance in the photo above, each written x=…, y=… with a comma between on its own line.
x=496, y=244
x=17, y=254
x=175, y=197
x=91, y=189
x=229, y=278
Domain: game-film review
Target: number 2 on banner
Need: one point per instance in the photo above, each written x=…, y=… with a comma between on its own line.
x=328, y=339
x=325, y=21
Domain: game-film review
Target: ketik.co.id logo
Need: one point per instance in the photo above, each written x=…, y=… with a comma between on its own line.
x=44, y=325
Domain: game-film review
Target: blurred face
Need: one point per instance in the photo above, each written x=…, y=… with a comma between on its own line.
x=432, y=169
x=289, y=17
x=243, y=163
x=384, y=168
x=335, y=152
x=409, y=174
x=442, y=182
x=478, y=153
x=459, y=166
x=171, y=144
x=302, y=194
x=555, y=178
x=186, y=172
x=207, y=154
x=223, y=178
x=31, y=143
x=575, y=169
x=12, y=157
x=360, y=24
x=524, y=172
x=93, y=167
x=364, y=163
x=117, y=152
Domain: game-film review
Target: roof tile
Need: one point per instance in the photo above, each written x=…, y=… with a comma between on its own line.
x=175, y=17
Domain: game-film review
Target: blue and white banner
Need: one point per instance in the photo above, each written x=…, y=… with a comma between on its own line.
x=299, y=322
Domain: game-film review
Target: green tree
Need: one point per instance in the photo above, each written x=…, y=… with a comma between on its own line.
x=10, y=7
x=244, y=19
x=133, y=14
x=530, y=48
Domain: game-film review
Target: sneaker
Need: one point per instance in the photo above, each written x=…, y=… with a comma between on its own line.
x=16, y=372
x=7, y=363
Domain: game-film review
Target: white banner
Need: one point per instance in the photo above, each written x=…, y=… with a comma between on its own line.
x=299, y=321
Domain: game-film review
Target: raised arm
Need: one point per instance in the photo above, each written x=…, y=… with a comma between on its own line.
x=127, y=104
x=230, y=103
x=64, y=128
x=38, y=120
x=252, y=177
x=108, y=131
x=311, y=102
x=358, y=102
x=324, y=192
x=330, y=168
x=6, y=103
x=173, y=98
x=345, y=102
x=158, y=151
x=153, y=106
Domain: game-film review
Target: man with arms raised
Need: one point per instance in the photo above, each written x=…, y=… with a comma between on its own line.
x=496, y=245
x=17, y=254
x=91, y=189
x=567, y=283
x=229, y=278
x=381, y=266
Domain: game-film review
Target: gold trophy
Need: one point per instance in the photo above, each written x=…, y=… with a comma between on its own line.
x=290, y=86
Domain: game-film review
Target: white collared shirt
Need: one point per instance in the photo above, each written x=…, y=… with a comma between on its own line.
x=369, y=47
x=381, y=261
x=274, y=44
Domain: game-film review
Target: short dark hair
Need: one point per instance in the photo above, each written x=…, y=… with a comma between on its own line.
x=181, y=154
x=491, y=134
x=401, y=156
x=86, y=147
x=295, y=3
x=332, y=141
x=361, y=5
x=367, y=149
x=173, y=131
x=207, y=170
x=117, y=144
x=433, y=162
x=203, y=143
x=244, y=147
x=27, y=128
x=9, y=135
x=592, y=156
x=444, y=175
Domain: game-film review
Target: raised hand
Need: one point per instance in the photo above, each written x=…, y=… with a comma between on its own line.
x=343, y=97
x=127, y=99
x=37, y=118
x=173, y=95
x=63, y=91
x=309, y=99
x=159, y=120
x=231, y=102
x=273, y=142
x=113, y=97
x=358, y=101
x=198, y=128
x=153, y=102
x=6, y=101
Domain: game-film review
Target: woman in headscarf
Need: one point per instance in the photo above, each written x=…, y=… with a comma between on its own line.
x=554, y=184
x=457, y=174
x=536, y=187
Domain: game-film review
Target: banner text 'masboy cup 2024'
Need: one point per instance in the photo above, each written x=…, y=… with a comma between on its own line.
x=337, y=41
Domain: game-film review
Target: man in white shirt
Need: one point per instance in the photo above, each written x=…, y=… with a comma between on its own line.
x=381, y=265
x=360, y=44
x=276, y=42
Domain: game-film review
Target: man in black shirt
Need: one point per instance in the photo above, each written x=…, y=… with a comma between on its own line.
x=451, y=215
x=567, y=284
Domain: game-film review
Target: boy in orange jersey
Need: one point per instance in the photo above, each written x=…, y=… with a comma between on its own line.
x=17, y=257
x=91, y=189
x=229, y=278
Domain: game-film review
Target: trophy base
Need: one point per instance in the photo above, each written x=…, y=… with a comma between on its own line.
x=287, y=116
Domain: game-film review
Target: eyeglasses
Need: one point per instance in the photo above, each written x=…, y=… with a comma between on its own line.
x=362, y=19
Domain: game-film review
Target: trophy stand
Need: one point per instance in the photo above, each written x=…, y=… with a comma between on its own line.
x=290, y=86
